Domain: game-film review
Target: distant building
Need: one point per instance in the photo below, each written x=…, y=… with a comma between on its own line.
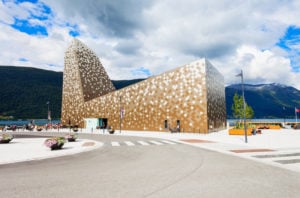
x=190, y=98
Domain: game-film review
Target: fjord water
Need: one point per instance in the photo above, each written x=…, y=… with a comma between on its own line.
x=231, y=122
x=38, y=122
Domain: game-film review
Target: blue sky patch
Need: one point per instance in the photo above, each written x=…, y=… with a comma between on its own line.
x=45, y=11
x=21, y=1
x=291, y=37
x=26, y=27
x=290, y=42
x=33, y=24
x=74, y=32
x=23, y=59
x=141, y=72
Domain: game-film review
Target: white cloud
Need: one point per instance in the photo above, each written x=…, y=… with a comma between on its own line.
x=259, y=67
x=40, y=52
x=5, y=16
x=161, y=35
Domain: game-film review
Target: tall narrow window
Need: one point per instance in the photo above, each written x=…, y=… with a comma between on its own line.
x=178, y=123
x=166, y=124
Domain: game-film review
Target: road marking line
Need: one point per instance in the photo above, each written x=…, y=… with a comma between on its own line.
x=115, y=143
x=197, y=141
x=143, y=143
x=290, y=161
x=251, y=150
x=167, y=142
x=128, y=143
x=278, y=155
x=155, y=142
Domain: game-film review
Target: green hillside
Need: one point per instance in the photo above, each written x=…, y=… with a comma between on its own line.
x=25, y=92
x=267, y=100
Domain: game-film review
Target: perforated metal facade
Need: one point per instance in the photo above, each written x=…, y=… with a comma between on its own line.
x=192, y=96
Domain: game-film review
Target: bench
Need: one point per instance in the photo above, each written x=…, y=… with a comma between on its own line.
x=174, y=130
x=110, y=130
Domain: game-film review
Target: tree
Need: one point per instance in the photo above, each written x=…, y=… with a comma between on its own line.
x=238, y=108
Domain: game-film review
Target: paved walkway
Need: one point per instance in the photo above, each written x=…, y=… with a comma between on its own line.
x=279, y=148
x=27, y=149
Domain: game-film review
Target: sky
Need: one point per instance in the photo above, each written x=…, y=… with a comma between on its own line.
x=138, y=39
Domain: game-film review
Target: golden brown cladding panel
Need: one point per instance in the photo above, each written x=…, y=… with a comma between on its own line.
x=72, y=97
x=84, y=79
x=94, y=79
x=176, y=95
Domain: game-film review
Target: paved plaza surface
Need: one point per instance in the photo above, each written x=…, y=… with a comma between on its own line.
x=156, y=164
x=279, y=148
x=275, y=147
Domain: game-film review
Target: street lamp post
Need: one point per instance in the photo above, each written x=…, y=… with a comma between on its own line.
x=244, y=104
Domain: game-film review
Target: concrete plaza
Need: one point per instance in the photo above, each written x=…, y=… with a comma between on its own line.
x=279, y=148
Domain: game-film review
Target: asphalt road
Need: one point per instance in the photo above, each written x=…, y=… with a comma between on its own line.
x=175, y=170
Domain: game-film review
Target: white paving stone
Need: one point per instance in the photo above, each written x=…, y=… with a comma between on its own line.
x=143, y=143
x=115, y=143
x=128, y=143
x=156, y=142
x=167, y=142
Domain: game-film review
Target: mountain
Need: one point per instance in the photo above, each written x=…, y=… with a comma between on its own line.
x=267, y=100
x=119, y=84
x=25, y=91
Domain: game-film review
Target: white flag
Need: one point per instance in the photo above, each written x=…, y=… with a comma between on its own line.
x=122, y=113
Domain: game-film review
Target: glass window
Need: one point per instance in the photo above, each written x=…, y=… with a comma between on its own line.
x=166, y=124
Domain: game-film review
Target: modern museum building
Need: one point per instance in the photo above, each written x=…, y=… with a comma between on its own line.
x=190, y=98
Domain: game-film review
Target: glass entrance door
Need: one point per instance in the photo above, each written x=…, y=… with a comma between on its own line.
x=103, y=123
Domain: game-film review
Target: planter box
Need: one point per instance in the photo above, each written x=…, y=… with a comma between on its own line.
x=5, y=141
x=239, y=132
x=111, y=131
x=274, y=127
x=56, y=146
x=269, y=127
x=71, y=139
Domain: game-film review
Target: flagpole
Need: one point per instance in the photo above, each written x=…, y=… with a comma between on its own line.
x=296, y=115
x=48, y=113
